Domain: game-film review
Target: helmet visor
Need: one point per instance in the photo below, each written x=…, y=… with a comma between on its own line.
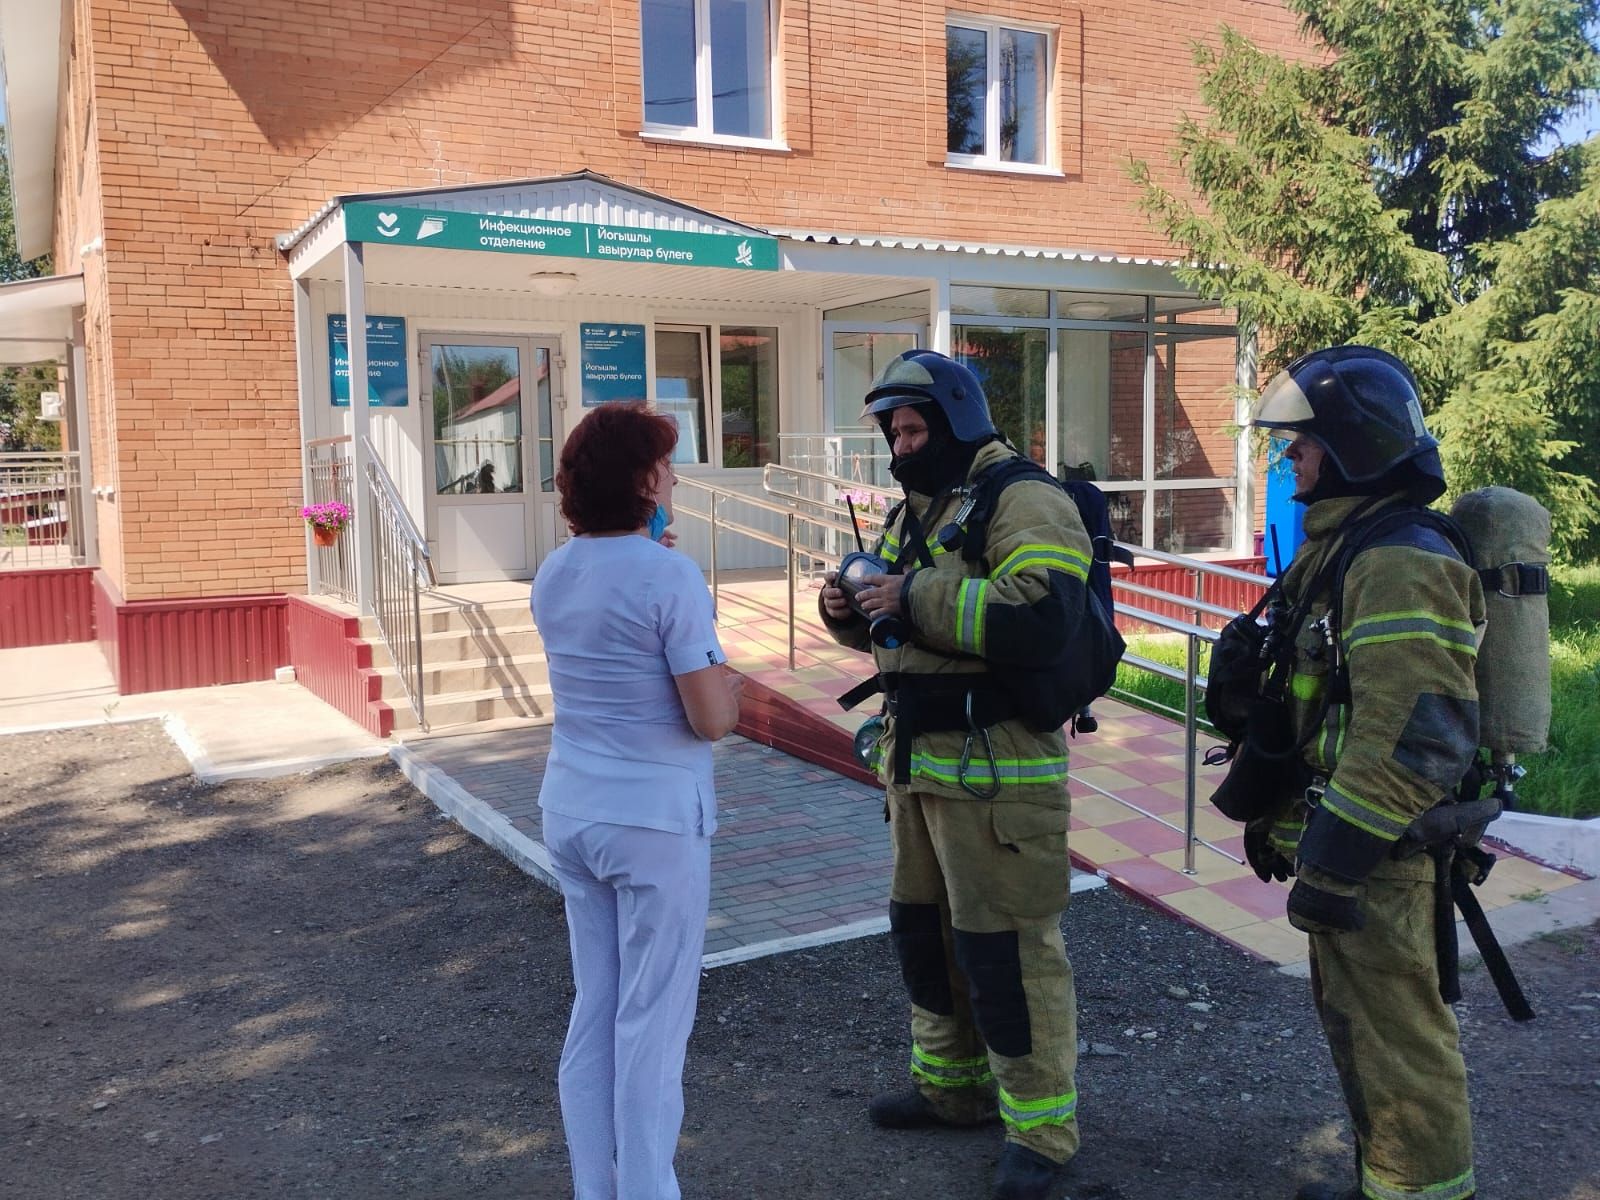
x=1282, y=405
x=902, y=373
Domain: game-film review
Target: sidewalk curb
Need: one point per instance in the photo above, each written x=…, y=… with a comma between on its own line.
x=476, y=817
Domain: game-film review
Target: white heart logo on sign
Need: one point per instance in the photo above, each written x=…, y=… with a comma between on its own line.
x=387, y=220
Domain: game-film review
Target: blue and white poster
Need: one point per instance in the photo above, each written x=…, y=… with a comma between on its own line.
x=386, y=361
x=613, y=363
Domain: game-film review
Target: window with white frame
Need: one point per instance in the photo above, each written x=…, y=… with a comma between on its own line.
x=708, y=68
x=997, y=94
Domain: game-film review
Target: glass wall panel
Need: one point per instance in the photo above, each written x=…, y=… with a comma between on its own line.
x=668, y=40
x=1194, y=405
x=1101, y=402
x=749, y=361
x=1024, y=95
x=966, y=299
x=857, y=359
x=1186, y=310
x=1194, y=520
x=1012, y=365
x=740, y=78
x=1099, y=306
x=1125, y=512
x=681, y=389
x=966, y=72
x=477, y=419
x=913, y=306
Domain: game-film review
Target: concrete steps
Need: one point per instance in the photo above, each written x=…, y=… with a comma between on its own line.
x=480, y=662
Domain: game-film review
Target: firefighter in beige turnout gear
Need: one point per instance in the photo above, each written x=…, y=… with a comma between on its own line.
x=1389, y=721
x=976, y=800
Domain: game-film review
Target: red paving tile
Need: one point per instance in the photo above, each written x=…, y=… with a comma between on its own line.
x=1144, y=835
x=1148, y=877
x=1264, y=900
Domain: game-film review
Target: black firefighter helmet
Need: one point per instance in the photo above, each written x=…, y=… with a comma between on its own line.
x=1360, y=404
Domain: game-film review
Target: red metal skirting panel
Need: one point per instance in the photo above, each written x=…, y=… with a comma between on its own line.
x=163, y=644
x=46, y=608
x=1227, y=593
x=331, y=660
x=771, y=718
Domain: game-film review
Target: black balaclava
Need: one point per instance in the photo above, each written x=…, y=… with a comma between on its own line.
x=942, y=462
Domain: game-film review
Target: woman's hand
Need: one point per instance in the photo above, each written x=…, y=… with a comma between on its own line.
x=711, y=698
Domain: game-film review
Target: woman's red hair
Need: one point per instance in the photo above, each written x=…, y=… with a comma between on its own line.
x=607, y=464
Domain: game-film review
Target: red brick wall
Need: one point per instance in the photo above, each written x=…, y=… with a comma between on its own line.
x=213, y=126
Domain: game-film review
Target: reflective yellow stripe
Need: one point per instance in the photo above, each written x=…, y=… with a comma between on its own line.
x=1052, y=558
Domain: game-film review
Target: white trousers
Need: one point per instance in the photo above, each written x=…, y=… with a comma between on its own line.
x=636, y=913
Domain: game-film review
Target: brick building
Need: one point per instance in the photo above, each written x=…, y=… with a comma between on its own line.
x=737, y=208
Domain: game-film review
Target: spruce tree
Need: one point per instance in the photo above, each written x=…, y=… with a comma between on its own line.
x=1392, y=187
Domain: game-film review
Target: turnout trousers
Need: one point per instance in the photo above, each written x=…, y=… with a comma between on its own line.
x=636, y=904
x=975, y=917
x=1396, y=1045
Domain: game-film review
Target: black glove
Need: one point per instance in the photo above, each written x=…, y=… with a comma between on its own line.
x=1263, y=857
x=1323, y=903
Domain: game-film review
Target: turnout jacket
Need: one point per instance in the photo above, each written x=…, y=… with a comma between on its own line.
x=1401, y=736
x=1018, y=605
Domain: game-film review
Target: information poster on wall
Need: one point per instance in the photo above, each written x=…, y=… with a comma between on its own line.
x=613, y=363
x=386, y=361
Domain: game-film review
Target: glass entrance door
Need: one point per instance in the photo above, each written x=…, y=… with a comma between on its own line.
x=489, y=420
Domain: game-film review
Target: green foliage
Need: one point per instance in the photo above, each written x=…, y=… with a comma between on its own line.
x=1564, y=781
x=1392, y=190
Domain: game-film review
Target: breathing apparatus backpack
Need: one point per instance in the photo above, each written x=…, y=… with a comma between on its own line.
x=1252, y=660
x=1046, y=695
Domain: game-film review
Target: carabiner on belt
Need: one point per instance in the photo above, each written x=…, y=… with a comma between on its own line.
x=973, y=733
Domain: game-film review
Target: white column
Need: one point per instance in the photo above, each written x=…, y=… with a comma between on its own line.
x=355, y=317
x=306, y=392
x=1244, y=493
x=83, y=443
x=939, y=315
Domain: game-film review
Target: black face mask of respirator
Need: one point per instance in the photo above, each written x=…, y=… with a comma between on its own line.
x=942, y=462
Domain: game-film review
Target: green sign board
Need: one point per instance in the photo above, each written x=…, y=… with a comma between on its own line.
x=379, y=223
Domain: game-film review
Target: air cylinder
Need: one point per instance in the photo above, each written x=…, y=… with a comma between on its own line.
x=1510, y=531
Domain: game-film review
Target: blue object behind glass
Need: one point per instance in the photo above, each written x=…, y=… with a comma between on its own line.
x=1284, y=515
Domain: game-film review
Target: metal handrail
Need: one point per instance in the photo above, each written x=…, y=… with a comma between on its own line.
x=330, y=477
x=402, y=570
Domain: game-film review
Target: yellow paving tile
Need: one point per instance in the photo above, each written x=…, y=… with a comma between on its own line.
x=1091, y=808
x=1098, y=847
x=1211, y=911
x=1104, y=752
x=1209, y=866
x=1281, y=946
x=1105, y=777
x=798, y=691
x=1212, y=825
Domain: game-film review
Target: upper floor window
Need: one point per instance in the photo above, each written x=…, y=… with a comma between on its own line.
x=708, y=68
x=997, y=84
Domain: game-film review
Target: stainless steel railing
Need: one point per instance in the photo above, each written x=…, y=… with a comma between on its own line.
x=401, y=571
x=330, y=477
x=41, y=511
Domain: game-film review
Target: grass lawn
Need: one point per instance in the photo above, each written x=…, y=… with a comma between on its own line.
x=1564, y=781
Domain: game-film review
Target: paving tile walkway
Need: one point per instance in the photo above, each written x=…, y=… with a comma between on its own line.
x=803, y=853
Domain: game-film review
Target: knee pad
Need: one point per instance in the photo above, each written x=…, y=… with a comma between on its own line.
x=992, y=964
x=918, y=941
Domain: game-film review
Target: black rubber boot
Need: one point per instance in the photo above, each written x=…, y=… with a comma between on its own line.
x=1023, y=1174
x=910, y=1109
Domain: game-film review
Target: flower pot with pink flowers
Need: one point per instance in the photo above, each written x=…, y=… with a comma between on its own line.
x=326, y=520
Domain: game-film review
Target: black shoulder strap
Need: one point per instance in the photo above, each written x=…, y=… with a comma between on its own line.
x=986, y=489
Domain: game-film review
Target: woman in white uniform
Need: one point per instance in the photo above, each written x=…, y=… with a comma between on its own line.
x=628, y=803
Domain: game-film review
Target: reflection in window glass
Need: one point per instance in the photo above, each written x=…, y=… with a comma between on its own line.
x=477, y=419
x=999, y=302
x=857, y=360
x=1101, y=402
x=1194, y=520
x=913, y=306
x=667, y=38
x=749, y=363
x=1186, y=310
x=1024, y=95
x=547, y=442
x=681, y=389
x=966, y=71
x=1194, y=406
x=739, y=72
x=1011, y=364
